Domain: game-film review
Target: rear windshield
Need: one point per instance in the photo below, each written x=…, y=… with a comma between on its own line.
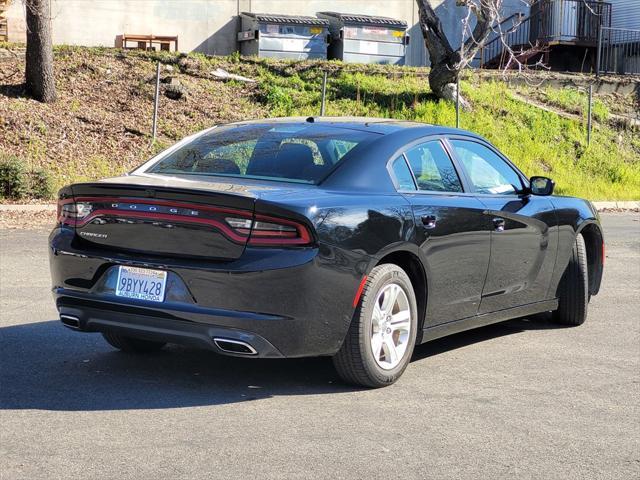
x=303, y=153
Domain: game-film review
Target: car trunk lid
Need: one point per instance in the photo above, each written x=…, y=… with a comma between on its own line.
x=140, y=214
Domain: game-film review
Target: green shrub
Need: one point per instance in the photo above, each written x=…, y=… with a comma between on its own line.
x=40, y=184
x=17, y=183
x=14, y=182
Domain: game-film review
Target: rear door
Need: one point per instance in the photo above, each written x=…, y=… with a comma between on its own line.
x=452, y=230
x=524, y=233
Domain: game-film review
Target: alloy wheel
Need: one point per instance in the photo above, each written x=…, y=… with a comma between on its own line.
x=390, y=326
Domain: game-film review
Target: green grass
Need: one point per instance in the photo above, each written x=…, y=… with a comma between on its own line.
x=574, y=100
x=544, y=143
x=539, y=142
x=11, y=45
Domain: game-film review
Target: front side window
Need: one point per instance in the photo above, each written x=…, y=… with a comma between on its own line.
x=487, y=171
x=433, y=169
x=303, y=153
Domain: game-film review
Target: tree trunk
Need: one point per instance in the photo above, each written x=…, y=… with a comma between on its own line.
x=39, y=66
x=443, y=79
x=447, y=63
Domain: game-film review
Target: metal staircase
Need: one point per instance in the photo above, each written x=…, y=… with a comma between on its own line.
x=553, y=26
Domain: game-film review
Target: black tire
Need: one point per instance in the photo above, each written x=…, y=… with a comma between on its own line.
x=355, y=362
x=132, y=345
x=574, y=288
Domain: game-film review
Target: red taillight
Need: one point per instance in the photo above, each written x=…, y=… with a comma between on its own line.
x=270, y=231
x=238, y=225
x=70, y=212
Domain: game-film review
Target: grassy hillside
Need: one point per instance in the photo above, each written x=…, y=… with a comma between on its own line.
x=101, y=124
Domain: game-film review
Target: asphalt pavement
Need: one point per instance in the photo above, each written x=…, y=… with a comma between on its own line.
x=521, y=399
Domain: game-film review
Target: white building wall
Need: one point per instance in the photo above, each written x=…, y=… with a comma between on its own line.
x=17, y=28
x=210, y=26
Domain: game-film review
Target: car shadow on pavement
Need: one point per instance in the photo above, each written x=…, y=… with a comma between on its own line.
x=435, y=347
x=46, y=366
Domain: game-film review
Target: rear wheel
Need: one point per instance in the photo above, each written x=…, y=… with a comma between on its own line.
x=380, y=341
x=132, y=345
x=574, y=288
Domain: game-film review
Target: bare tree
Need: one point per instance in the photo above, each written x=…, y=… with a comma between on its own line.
x=447, y=62
x=39, y=65
x=486, y=17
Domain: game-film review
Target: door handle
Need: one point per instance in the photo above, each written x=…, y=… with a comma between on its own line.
x=498, y=224
x=429, y=221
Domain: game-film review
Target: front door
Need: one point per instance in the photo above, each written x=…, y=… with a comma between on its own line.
x=524, y=232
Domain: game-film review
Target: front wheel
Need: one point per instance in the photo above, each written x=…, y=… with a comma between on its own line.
x=574, y=288
x=382, y=335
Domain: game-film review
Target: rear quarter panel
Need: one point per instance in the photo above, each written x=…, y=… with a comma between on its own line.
x=364, y=223
x=353, y=230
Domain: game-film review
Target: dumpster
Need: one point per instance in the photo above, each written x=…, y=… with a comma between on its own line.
x=366, y=39
x=283, y=36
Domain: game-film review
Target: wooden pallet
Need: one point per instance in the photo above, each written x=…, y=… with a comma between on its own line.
x=4, y=34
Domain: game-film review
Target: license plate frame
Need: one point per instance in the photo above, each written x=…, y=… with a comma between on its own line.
x=141, y=283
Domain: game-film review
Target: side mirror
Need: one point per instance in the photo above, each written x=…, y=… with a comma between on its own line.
x=541, y=185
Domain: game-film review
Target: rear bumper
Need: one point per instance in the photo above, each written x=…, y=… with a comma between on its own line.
x=284, y=303
x=133, y=321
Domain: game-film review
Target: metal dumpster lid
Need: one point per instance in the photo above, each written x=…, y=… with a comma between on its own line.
x=288, y=19
x=365, y=19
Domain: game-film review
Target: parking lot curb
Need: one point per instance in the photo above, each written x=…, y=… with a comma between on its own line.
x=30, y=207
x=622, y=206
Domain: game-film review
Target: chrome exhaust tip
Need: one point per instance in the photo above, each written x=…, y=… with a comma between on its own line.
x=70, y=321
x=234, y=346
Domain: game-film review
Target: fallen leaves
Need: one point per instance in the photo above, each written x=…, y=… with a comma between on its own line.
x=101, y=124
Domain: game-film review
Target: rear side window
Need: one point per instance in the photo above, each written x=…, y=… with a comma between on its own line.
x=433, y=169
x=487, y=171
x=339, y=148
x=303, y=153
x=402, y=174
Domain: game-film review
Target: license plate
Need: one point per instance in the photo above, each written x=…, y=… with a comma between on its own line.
x=141, y=283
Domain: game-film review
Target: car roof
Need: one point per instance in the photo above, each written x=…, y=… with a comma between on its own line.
x=382, y=126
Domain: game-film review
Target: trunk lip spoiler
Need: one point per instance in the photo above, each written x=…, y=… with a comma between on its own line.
x=166, y=203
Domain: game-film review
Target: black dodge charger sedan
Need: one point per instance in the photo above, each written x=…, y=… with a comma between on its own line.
x=347, y=237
